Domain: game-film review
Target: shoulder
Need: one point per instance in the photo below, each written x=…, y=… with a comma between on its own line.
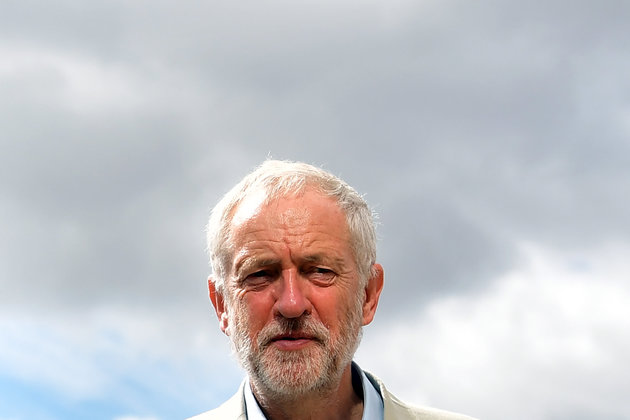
x=400, y=410
x=395, y=409
x=232, y=409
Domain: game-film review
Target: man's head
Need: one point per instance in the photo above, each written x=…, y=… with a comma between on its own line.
x=292, y=250
x=276, y=179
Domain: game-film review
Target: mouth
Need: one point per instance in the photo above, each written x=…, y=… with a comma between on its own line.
x=289, y=342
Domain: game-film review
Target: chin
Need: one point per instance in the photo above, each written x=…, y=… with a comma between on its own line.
x=295, y=373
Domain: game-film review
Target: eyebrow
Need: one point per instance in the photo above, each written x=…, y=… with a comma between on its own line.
x=323, y=259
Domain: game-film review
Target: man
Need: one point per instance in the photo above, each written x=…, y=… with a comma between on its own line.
x=293, y=256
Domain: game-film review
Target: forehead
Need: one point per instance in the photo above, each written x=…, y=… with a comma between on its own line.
x=306, y=202
x=299, y=213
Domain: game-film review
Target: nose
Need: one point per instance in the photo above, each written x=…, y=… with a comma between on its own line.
x=291, y=301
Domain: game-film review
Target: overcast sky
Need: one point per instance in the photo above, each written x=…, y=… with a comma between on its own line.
x=492, y=138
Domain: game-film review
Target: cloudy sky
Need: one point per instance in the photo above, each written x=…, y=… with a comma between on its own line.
x=493, y=139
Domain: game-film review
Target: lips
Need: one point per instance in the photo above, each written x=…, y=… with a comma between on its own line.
x=292, y=337
x=292, y=342
x=292, y=334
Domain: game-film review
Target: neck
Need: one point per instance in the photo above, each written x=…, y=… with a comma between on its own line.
x=343, y=401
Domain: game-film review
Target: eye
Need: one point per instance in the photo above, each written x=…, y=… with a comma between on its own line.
x=257, y=278
x=321, y=275
x=261, y=273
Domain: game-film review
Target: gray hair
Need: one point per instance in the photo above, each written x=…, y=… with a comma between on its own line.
x=279, y=179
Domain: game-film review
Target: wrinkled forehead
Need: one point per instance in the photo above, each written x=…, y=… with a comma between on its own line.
x=259, y=200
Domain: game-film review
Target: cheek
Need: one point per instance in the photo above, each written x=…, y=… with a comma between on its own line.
x=340, y=312
x=328, y=309
x=256, y=310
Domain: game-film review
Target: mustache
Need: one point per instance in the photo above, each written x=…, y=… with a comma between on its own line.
x=304, y=325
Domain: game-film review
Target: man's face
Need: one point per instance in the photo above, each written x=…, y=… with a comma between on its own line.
x=293, y=297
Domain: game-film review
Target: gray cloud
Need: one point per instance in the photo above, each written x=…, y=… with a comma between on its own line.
x=465, y=129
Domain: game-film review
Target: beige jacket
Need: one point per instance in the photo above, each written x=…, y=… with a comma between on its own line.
x=234, y=408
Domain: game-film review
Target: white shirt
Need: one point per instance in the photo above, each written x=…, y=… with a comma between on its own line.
x=372, y=400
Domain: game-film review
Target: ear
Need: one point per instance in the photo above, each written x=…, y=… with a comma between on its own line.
x=373, y=290
x=219, y=306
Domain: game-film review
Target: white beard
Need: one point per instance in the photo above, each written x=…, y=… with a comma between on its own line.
x=289, y=374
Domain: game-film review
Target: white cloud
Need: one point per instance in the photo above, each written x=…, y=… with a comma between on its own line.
x=548, y=340
x=113, y=352
x=46, y=356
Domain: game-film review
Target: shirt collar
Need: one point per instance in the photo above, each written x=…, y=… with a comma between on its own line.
x=372, y=400
x=252, y=409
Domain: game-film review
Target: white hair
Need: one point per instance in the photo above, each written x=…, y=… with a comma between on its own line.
x=279, y=179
